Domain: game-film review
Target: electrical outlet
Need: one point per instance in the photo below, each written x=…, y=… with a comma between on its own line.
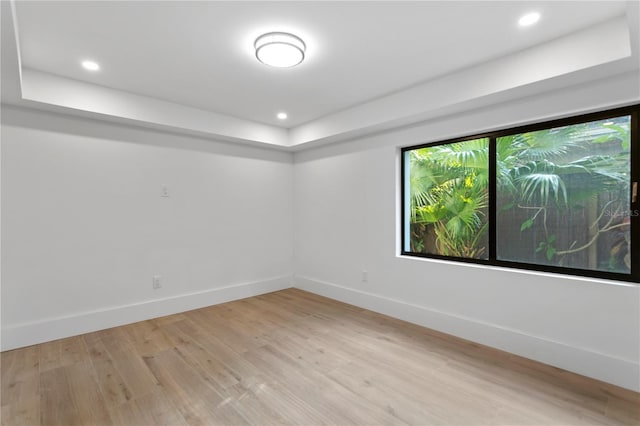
x=157, y=282
x=164, y=191
x=365, y=276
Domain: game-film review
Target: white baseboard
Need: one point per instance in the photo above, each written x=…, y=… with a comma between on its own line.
x=20, y=335
x=620, y=372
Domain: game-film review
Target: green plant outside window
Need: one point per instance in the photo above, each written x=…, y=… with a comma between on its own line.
x=556, y=198
x=563, y=196
x=449, y=199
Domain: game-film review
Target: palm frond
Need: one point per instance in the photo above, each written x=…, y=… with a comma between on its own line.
x=539, y=187
x=545, y=144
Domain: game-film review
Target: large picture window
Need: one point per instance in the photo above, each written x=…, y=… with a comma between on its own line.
x=557, y=196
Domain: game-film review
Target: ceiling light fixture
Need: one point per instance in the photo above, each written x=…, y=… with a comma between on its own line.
x=90, y=65
x=529, y=19
x=282, y=115
x=281, y=50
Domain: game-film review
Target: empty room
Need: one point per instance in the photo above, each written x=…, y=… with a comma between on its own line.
x=320, y=213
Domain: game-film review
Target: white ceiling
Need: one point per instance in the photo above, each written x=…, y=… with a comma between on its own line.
x=199, y=54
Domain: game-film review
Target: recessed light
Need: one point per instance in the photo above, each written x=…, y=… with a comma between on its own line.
x=529, y=19
x=281, y=50
x=282, y=115
x=90, y=65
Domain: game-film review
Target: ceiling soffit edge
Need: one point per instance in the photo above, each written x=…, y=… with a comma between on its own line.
x=494, y=81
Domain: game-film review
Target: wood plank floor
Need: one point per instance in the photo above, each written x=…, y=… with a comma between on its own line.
x=291, y=357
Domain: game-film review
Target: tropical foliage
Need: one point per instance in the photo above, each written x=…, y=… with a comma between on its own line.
x=561, y=196
x=449, y=199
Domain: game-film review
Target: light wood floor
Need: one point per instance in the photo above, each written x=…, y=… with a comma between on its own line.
x=291, y=357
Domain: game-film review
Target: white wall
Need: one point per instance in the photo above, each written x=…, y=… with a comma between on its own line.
x=84, y=227
x=347, y=220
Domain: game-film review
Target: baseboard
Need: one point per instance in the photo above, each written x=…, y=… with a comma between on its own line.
x=26, y=334
x=620, y=372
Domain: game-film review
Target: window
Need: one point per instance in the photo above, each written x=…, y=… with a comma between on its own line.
x=556, y=196
x=449, y=196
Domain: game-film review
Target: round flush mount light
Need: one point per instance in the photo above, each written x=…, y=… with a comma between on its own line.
x=90, y=65
x=529, y=19
x=281, y=50
x=282, y=116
